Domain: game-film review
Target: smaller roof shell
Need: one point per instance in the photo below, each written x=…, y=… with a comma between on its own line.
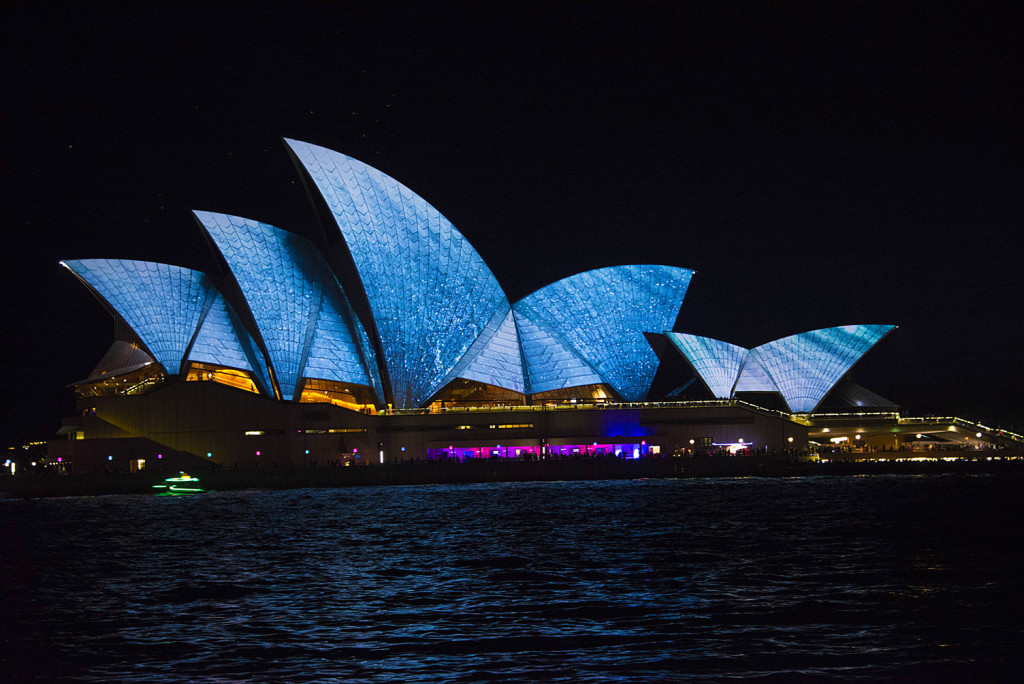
x=596, y=320
x=161, y=303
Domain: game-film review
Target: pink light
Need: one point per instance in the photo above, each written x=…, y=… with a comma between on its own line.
x=159, y=455
x=60, y=460
x=257, y=453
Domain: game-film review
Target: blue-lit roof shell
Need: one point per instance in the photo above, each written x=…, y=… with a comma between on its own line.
x=494, y=358
x=435, y=313
x=754, y=378
x=302, y=317
x=806, y=366
x=163, y=304
x=551, y=363
x=224, y=341
x=717, y=363
x=430, y=293
x=332, y=355
x=598, y=318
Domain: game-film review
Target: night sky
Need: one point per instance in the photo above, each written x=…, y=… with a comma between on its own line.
x=817, y=164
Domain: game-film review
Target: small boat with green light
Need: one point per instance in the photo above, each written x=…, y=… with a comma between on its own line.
x=177, y=486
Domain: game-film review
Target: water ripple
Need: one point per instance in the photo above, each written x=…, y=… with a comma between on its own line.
x=883, y=577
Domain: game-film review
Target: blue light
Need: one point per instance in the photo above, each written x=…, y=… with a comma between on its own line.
x=431, y=295
x=717, y=363
x=224, y=341
x=163, y=304
x=307, y=327
x=589, y=328
x=807, y=366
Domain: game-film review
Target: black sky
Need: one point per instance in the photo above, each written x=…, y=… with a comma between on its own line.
x=818, y=164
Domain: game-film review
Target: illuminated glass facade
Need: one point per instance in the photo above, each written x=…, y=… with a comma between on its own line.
x=601, y=316
x=162, y=304
x=806, y=366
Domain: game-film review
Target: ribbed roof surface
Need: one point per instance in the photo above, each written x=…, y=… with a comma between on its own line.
x=430, y=293
x=806, y=366
x=601, y=316
x=163, y=304
x=717, y=363
x=294, y=299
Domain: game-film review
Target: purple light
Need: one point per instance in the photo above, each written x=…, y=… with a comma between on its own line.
x=159, y=455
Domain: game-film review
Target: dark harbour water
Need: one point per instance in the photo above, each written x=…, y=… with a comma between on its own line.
x=916, y=578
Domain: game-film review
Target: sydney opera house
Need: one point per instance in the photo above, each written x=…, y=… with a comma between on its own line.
x=387, y=338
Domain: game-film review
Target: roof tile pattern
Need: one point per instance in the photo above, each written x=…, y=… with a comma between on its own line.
x=494, y=358
x=806, y=366
x=550, y=361
x=224, y=341
x=603, y=313
x=717, y=363
x=163, y=304
x=284, y=279
x=430, y=293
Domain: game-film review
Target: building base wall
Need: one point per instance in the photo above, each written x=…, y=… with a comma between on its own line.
x=230, y=428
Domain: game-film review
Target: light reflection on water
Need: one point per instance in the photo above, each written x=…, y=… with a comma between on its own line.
x=878, y=577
